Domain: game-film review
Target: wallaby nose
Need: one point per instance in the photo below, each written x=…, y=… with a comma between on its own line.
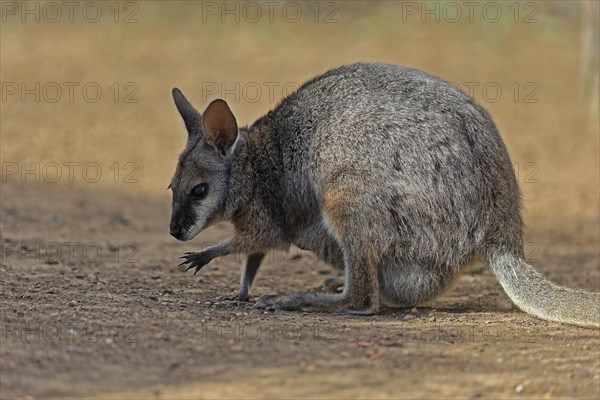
x=175, y=231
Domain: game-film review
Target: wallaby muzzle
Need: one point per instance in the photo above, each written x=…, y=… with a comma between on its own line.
x=179, y=225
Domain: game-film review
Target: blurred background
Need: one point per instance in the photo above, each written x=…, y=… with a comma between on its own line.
x=88, y=87
x=92, y=84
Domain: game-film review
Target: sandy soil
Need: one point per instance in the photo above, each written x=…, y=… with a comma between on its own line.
x=91, y=302
x=126, y=323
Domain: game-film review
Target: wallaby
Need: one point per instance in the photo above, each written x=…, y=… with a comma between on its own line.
x=389, y=173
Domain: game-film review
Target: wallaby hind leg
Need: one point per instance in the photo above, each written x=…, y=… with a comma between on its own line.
x=361, y=290
x=360, y=295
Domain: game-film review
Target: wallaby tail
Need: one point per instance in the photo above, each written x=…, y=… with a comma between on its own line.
x=534, y=294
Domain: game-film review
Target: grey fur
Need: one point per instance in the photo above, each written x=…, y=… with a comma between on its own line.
x=386, y=172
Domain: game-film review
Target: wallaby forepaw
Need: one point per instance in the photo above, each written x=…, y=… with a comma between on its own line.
x=196, y=260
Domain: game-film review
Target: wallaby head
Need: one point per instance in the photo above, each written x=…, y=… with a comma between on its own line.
x=200, y=184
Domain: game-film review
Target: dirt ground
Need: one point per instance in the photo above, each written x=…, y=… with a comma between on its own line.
x=109, y=315
x=91, y=301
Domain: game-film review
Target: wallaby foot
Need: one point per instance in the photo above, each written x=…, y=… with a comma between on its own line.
x=369, y=312
x=313, y=302
x=333, y=284
x=302, y=301
x=237, y=296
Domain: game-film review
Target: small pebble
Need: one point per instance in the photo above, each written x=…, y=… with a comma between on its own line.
x=408, y=317
x=520, y=389
x=475, y=394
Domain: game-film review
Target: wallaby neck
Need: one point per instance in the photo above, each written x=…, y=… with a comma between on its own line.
x=257, y=183
x=252, y=165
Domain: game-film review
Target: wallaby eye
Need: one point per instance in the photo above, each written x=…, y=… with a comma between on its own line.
x=200, y=191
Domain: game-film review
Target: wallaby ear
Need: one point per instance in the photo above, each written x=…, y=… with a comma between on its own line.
x=191, y=117
x=220, y=126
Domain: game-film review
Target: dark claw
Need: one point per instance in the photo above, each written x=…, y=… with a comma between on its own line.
x=195, y=260
x=187, y=255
